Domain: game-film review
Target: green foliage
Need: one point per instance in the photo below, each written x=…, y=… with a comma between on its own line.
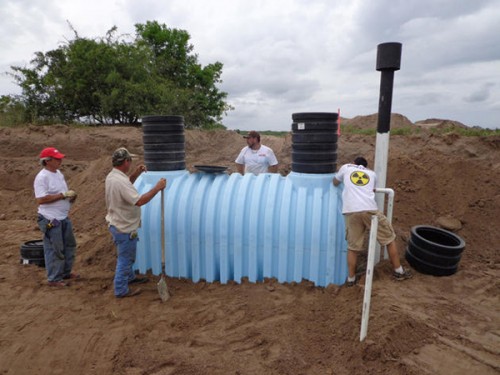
x=415, y=130
x=280, y=134
x=114, y=81
x=405, y=131
x=12, y=111
x=352, y=130
x=467, y=132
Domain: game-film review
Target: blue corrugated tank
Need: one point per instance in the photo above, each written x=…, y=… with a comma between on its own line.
x=221, y=227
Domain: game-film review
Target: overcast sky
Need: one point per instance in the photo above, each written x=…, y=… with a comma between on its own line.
x=287, y=56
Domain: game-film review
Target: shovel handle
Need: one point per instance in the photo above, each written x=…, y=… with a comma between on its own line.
x=162, y=231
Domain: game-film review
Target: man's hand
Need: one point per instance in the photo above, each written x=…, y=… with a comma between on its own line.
x=137, y=172
x=240, y=168
x=69, y=194
x=161, y=184
x=140, y=168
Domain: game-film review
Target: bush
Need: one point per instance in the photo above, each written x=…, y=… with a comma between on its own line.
x=12, y=111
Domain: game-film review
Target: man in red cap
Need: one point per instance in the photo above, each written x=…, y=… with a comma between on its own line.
x=256, y=158
x=54, y=200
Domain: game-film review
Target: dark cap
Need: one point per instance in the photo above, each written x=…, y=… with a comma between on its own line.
x=252, y=134
x=120, y=155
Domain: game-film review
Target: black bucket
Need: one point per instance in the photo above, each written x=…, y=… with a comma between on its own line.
x=164, y=143
x=314, y=142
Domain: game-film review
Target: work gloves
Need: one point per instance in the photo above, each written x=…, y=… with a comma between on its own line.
x=70, y=194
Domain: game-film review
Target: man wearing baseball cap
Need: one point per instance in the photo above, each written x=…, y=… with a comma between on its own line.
x=124, y=202
x=256, y=158
x=55, y=200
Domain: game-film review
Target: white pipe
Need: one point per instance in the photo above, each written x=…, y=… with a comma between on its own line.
x=381, y=161
x=390, y=205
x=371, y=260
x=380, y=168
x=390, y=202
x=369, y=278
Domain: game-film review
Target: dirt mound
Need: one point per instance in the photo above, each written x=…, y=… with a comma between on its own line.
x=440, y=124
x=399, y=121
x=370, y=122
x=433, y=325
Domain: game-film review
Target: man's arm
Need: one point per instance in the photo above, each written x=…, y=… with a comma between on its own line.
x=146, y=197
x=137, y=172
x=240, y=168
x=50, y=198
x=273, y=168
x=336, y=182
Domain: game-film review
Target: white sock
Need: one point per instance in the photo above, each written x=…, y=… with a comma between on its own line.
x=399, y=270
x=351, y=279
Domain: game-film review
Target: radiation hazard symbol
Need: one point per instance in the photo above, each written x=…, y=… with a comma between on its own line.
x=359, y=178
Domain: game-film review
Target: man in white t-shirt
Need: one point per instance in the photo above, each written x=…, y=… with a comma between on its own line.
x=359, y=206
x=54, y=200
x=124, y=203
x=256, y=158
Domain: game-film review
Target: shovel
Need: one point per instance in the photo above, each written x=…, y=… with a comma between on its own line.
x=162, y=284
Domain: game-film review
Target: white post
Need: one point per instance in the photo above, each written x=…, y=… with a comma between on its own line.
x=381, y=160
x=390, y=201
x=388, y=61
x=371, y=260
x=390, y=205
x=369, y=278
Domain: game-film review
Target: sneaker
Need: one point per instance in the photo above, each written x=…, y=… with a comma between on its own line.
x=402, y=276
x=58, y=284
x=72, y=276
x=130, y=293
x=351, y=283
x=139, y=280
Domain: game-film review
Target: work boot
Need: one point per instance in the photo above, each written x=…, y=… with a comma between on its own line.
x=139, y=280
x=72, y=276
x=402, y=276
x=130, y=293
x=351, y=283
x=58, y=284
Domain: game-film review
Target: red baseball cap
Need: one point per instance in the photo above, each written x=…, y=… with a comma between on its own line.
x=51, y=152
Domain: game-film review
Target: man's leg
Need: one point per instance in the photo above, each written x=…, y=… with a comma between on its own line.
x=352, y=258
x=53, y=246
x=124, y=261
x=392, y=250
x=355, y=229
x=69, y=247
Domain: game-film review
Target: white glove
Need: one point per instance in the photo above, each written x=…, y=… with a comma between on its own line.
x=69, y=194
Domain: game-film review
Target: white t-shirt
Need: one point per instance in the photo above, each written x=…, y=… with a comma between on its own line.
x=121, y=197
x=257, y=161
x=50, y=183
x=358, y=194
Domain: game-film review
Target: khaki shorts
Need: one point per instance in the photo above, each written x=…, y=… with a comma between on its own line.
x=357, y=223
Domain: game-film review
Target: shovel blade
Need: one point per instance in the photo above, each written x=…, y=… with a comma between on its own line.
x=163, y=289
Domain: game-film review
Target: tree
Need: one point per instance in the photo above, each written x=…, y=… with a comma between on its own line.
x=12, y=110
x=198, y=98
x=110, y=80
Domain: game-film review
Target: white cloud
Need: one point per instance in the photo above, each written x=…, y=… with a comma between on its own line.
x=287, y=56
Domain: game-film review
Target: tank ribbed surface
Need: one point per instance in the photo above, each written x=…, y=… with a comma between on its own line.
x=223, y=227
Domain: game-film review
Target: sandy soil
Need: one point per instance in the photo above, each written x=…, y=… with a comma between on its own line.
x=427, y=325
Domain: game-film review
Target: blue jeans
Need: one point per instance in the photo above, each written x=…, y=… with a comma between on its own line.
x=59, y=247
x=126, y=248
